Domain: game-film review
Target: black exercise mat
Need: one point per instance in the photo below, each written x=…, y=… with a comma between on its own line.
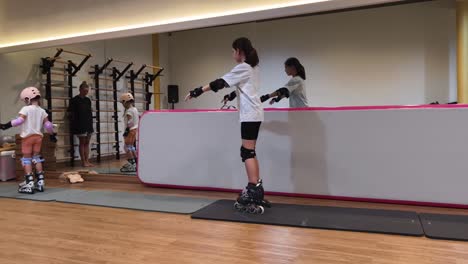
x=323, y=217
x=441, y=226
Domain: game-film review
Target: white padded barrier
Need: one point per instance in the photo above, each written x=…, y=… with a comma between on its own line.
x=401, y=154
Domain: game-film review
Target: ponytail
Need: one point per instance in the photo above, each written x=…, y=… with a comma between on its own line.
x=252, y=58
x=244, y=45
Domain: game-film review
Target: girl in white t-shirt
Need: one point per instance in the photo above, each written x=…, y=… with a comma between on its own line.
x=244, y=78
x=131, y=119
x=32, y=118
x=294, y=89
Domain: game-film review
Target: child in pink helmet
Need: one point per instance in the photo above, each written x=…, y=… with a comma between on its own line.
x=31, y=119
x=131, y=119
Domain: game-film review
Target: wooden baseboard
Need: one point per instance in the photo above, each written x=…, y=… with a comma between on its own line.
x=64, y=164
x=102, y=177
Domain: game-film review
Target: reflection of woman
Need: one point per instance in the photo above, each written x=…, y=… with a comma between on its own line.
x=81, y=120
x=294, y=89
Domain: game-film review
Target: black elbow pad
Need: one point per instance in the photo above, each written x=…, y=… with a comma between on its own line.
x=218, y=84
x=283, y=92
x=230, y=96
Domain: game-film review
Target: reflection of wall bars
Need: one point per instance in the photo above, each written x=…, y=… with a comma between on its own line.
x=144, y=81
x=64, y=88
x=58, y=83
x=106, y=109
x=108, y=134
x=140, y=84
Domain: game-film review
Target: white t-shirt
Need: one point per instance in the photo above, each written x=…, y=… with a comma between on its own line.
x=35, y=116
x=246, y=81
x=297, y=95
x=133, y=113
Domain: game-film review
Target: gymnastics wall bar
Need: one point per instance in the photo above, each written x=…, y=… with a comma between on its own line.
x=116, y=76
x=149, y=79
x=47, y=65
x=96, y=76
x=133, y=77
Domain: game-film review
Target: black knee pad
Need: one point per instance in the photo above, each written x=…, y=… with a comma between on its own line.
x=247, y=154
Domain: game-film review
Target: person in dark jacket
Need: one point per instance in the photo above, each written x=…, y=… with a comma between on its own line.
x=81, y=121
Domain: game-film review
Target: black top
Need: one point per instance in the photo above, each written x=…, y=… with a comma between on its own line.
x=81, y=115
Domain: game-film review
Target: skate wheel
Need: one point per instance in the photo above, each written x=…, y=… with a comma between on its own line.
x=260, y=210
x=239, y=207
x=252, y=210
x=26, y=191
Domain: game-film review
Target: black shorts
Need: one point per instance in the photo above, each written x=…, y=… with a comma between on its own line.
x=249, y=130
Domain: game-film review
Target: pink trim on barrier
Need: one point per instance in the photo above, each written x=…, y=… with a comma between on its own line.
x=316, y=196
x=338, y=108
x=189, y=110
x=138, y=145
x=183, y=111
x=382, y=107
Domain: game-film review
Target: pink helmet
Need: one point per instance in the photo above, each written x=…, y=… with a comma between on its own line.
x=126, y=97
x=29, y=93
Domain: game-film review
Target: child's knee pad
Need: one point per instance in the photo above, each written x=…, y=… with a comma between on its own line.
x=26, y=161
x=247, y=153
x=130, y=148
x=37, y=159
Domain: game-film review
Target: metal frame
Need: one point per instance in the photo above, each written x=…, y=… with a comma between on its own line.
x=72, y=69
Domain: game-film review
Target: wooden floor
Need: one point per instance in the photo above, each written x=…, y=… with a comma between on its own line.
x=50, y=232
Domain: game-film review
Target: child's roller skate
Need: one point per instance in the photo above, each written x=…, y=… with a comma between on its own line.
x=251, y=199
x=28, y=185
x=40, y=182
x=125, y=167
x=129, y=167
x=265, y=203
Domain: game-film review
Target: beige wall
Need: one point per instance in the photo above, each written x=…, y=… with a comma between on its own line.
x=58, y=22
x=393, y=55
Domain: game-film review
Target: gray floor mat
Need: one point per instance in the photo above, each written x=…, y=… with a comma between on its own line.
x=127, y=200
x=112, y=171
x=323, y=217
x=11, y=191
x=138, y=201
x=441, y=226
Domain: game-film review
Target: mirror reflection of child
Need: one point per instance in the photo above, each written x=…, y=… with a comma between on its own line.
x=294, y=89
x=131, y=119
